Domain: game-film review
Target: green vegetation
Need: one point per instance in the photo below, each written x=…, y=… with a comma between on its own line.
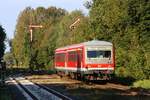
x=2, y=49
x=2, y=44
x=142, y=84
x=126, y=23
x=40, y=53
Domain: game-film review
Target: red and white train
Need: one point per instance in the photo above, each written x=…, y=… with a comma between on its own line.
x=92, y=60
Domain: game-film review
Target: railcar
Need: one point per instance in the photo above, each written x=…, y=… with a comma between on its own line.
x=92, y=60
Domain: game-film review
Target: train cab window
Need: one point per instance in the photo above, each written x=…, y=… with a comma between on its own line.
x=98, y=54
x=107, y=54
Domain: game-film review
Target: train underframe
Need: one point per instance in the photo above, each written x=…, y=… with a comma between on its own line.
x=88, y=75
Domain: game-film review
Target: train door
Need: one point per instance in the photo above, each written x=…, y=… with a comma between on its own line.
x=72, y=60
x=79, y=60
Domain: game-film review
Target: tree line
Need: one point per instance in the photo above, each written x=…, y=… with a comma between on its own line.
x=125, y=23
x=2, y=42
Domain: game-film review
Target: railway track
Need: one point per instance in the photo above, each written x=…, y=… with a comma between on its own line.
x=33, y=91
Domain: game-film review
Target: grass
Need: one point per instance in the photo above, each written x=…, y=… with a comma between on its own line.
x=142, y=84
x=4, y=93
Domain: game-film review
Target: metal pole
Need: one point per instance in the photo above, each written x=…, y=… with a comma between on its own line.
x=31, y=34
x=31, y=27
x=72, y=26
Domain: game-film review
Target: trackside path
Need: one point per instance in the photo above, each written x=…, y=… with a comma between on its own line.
x=38, y=92
x=26, y=95
x=34, y=91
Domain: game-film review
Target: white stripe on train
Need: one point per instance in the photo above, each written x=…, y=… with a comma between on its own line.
x=83, y=69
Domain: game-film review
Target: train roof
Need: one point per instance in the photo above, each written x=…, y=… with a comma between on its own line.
x=89, y=43
x=96, y=42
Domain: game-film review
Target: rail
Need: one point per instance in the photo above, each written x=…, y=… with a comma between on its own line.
x=37, y=91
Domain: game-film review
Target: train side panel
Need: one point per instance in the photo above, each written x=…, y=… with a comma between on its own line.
x=60, y=60
x=74, y=59
x=69, y=59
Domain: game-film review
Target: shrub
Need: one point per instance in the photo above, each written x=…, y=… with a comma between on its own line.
x=122, y=72
x=142, y=83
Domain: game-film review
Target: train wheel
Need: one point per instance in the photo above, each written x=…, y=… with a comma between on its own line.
x=79, y=76
x=72, y=75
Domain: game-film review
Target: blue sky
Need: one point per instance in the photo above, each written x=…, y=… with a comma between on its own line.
x=10, y=10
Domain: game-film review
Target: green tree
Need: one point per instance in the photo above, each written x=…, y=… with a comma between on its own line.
x=108, y=21
x=126, y=24
x=107, y=17
x=38, y=53
x=20, y=42
x=2, y=42
x=78, y=34
x=139, y=26
x=8, y=57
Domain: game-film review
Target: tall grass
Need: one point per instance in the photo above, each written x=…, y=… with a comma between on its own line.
x=142, y=83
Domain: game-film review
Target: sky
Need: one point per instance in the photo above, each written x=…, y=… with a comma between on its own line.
x=10, y=10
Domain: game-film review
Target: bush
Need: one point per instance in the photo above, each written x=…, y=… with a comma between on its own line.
x=122, y=72
x=142, y=83
x=51, y=72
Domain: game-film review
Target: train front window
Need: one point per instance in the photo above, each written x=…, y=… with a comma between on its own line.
x=98, y=54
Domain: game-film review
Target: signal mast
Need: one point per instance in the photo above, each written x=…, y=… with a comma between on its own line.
x=31, y=27
x=72, y=26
